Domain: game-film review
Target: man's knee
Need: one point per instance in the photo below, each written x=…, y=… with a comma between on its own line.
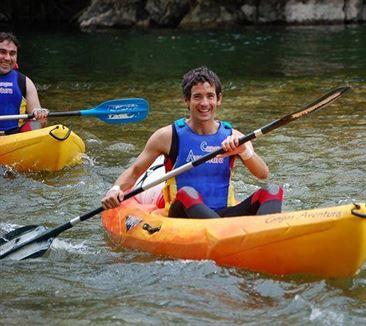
x=188, y=196
x=271, y=192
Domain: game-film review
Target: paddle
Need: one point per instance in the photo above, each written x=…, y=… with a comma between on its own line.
x=33, y=241
x=119, y=111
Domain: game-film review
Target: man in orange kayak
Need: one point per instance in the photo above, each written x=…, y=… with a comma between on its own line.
x=18, y=94
x=204, y=191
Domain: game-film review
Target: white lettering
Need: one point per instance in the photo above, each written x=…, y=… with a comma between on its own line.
x=121, y=106
x=6, y=84
x=118, y=116
x=208, y=149
x=6, y=90
x=191, y=157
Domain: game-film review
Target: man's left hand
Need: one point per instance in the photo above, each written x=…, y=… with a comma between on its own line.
x=232, y=147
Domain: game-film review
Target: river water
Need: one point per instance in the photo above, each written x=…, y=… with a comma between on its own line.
x=267, y=72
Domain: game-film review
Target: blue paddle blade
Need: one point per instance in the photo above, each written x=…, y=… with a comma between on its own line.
x=120, y=111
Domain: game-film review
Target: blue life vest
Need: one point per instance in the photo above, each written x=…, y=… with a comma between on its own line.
x=11, y=96
x=212, y=178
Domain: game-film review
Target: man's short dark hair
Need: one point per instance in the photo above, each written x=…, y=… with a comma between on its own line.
x=200, y=75
x=10, y=37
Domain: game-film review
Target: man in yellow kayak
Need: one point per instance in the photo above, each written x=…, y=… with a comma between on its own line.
x=18, y=94
x=204, y=191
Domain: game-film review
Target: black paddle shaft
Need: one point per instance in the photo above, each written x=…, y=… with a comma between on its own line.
x=321, y=102
x=64, y=114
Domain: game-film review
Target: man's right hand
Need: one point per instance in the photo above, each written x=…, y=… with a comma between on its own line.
x=40, y=113
x=112, y=198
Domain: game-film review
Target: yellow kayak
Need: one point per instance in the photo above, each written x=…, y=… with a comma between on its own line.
x=47, y=149
x=326, y=242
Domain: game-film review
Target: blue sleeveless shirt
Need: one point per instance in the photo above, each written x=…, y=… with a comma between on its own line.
x=10, y=99
x=212, y=178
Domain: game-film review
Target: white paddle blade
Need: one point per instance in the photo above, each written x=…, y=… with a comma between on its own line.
x=18, y=249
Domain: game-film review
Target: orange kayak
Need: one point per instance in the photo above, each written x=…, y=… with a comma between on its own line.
x=326, y=242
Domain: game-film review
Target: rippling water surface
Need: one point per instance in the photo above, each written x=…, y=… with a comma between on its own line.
x=266, y=72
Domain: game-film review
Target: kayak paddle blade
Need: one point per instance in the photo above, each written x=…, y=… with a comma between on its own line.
x=120, y=111
x=12, y=244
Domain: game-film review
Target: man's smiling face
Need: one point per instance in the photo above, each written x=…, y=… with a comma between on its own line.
x=8, y=56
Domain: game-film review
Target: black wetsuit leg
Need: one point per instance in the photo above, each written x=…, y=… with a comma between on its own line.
x=264, y=201
x=188, y=204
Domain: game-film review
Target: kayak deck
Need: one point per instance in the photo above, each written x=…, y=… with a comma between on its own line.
x=47, y=149
x=329, y=242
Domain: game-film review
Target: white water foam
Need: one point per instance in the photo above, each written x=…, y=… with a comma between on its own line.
x=80, y=248
x=7, y=227
x=87, y=160
x=326, y=316
x=323, y=316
